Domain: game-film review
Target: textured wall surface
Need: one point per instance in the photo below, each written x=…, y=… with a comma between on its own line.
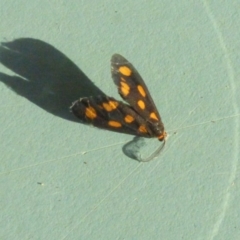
x=63, y=180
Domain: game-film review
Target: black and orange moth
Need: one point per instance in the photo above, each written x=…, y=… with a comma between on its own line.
x=139, y=117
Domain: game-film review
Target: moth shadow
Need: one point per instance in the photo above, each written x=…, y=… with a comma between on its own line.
x=50, y=80
x=46, y=77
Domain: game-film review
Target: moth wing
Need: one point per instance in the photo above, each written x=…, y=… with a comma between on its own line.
x=107, y=113
x=132, y=88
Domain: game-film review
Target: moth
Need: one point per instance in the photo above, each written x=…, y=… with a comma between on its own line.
x=139, y=116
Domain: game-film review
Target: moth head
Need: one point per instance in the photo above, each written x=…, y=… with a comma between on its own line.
x=162, y=136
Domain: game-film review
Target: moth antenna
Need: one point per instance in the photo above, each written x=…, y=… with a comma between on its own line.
x=154, y=154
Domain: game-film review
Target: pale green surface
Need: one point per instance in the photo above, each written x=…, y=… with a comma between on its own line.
x=188, y=54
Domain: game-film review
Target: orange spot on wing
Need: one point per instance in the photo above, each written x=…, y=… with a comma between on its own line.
x=113, y=104
x=114, y=124
x=109, y=106
x=128, y=119
x=142, y=129
x=141, y=104
x=90, y=112
x=141, y=90
x=153, y=116
x=124, y=88
x=124, y=70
